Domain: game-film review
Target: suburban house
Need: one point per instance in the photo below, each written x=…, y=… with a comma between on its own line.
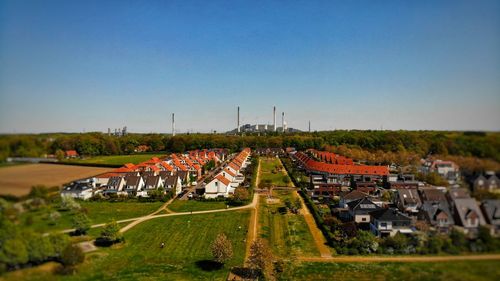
x=115, y=185
x=152, y=182
x=488, y=181
x=218, y=187
x=79, y=189
x=467, y=214
x=388, y=222
x=133, y=184
x=408, y=200
x=446, y=169
x=173, y=182
x=70, y=154
x=491, y=211
x=359, y=210
x=435, y=210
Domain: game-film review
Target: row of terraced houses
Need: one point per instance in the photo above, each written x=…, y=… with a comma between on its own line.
x=172, y=173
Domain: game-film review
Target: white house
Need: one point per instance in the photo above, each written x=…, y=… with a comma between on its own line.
x=133, y=185
x=219, y=186
x=173, y=183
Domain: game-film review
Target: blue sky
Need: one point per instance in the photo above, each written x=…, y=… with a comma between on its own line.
x=90, y=65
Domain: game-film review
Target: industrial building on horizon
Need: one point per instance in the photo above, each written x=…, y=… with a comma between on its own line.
x=262, y=128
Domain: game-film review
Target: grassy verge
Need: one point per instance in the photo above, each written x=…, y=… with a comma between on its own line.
x=287, y=233
x=272, y=170
x=193, y=205
x=98, y=212
x=456, y=270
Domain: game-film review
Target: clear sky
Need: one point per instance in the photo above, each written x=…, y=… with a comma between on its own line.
x=90, y=65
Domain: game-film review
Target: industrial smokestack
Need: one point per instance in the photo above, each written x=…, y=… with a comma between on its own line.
x=283, y=121
x=173, y=124
x=238, y=120
x=309, y=126
x=274, y=117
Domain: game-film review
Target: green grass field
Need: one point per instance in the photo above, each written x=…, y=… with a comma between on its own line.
x=98, y=212
x=456, y=270
x=193, y=205
x=187, y=249
x=271, y=169
x=117, y=159
x=288, y=234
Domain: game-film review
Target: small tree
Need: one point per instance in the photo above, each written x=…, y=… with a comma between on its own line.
x=60, y=154
x=297, y=205
x=68, y=203
x=288, y=203
x=286, y=180
x=222, y=250
x=81, y=223
x=240, y=194
x=260, y=257
x=111, y=233
x=72, y=255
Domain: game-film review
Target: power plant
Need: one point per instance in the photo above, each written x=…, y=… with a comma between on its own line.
x=261, y=128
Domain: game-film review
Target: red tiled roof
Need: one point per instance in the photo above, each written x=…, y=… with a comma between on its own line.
x=222, y=179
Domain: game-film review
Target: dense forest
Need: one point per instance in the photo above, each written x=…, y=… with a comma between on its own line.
x=411, y=143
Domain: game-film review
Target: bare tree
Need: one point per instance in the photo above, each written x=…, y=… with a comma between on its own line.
x=260, y=257
x=222, y=250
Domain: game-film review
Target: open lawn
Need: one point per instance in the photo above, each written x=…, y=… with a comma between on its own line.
x=98, y=212
x=18, y=180
x=117, y=159
x=287, y=233
x=194, y=205
x=186, y=255
x=271, y=169
x=455, y=270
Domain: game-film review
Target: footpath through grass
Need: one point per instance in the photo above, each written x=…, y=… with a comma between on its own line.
x=185, y=256
x=98, y=212
x=287, y=233
x=455, y=270
x=194, y=205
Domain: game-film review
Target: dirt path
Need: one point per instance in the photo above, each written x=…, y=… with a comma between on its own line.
x=318, y=237
x=254, y=218
x=349, y=259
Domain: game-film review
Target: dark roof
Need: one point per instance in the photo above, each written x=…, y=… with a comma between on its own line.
x=363, y=204
x=433, y=194
x=354, y=195
x=491, y=210
x=183, y=175
x=152, y=181
x=77, y=187
x=164, y=174
x=389, y=214
x=113, y=182
x=171, y=180
x=432, y=209
x=132, y=181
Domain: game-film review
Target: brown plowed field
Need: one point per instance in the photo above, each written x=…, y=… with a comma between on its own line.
x=18, y=180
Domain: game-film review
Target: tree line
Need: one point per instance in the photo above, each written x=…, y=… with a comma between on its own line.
x=406, y=143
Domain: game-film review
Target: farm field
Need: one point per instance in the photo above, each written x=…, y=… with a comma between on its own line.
x=287, y=233
x=272, y=170
x=98, y=212
x=117, y=159
x=455, y=270
x=18, y=180
x=186, y=254
x=193, y=205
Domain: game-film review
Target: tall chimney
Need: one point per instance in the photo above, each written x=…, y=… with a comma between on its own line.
x=173, y=124
x=274, y=117
x=309, y=126
x=238, y=121
x=283, y=121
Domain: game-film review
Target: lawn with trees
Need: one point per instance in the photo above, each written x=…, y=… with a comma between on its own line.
x=195, y=205
x=272, y=173
x=186, y=254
